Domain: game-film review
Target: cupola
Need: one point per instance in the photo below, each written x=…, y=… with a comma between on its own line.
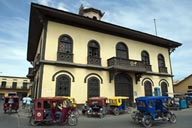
x=91, y=13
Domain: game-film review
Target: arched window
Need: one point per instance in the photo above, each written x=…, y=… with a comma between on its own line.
x=94, y=53
x=145, y=58
x=161, y=61
x=148, y=88
x=93, y=87
x=121, y=51
x=65, y=48
x=164, y=89
x=63, y=85
x=161, y=64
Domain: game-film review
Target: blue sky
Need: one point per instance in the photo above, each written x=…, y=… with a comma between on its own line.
x=173, y=21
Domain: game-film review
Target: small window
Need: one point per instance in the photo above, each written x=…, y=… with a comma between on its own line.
x=14, y=85
x=94, y=17
x=24, y=85
x=150, y=103
x=3, y=84
x=39, y=105
x=190, y=87
x=141, y=104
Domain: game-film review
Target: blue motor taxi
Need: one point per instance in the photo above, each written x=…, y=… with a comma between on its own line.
x=152, y=108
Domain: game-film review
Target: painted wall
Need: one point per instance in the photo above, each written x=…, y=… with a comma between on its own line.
x=78, y=87
x=183, y=86
x=9, y=81
x=107, y=43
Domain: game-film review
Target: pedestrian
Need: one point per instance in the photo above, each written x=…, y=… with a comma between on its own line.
x=28, y=103
x=23, y=102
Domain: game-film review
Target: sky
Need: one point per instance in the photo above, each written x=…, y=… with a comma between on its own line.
x=173, y=21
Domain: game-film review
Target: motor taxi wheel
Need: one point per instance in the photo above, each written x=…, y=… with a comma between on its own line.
x=135, y=116
x=116, y=111
x=147, y=121
x=72, y=120
x=101, y=115
x=9, y=110
x=76, y=113
x=32, y=121
x=172, y=118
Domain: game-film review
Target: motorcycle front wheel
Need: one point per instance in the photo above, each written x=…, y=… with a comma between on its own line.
x=172, y=118
x=147, y=121
x=72, y=120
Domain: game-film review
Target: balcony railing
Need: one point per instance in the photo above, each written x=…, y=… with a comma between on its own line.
x=128, y=64
x=93, y=60
x=68, y=57
x=15, y=88
x=163, y=69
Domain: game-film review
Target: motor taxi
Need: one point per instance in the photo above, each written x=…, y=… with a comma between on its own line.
x=152, y=108
x=73, y=105
x=11, y=103
x=119, y=105
x=97, y=106
x=45, y=111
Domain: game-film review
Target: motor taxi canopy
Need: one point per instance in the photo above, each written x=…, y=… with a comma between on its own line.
x=117, y=100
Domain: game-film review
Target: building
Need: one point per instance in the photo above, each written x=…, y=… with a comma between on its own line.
x=184, y=85
x=82, y=56
x=20, y=85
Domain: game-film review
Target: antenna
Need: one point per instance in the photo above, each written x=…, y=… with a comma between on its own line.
x=155, y=27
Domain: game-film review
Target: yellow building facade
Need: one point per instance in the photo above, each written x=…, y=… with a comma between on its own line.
x=18, y=85
x=184, y=86
x=78, y=56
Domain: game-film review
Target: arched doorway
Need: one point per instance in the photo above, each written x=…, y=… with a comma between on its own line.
x=164, y=89
x=63, y=85
x=93, y=87
x=148, y=88
x=124, y=86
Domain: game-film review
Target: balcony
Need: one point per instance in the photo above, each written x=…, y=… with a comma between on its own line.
x=128, y=65
x=31, y=73
x=67, y=57
x=23, y=88
x=163, y=69
x=93, y=60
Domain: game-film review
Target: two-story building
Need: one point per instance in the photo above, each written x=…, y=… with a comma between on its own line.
x=18, y=85
x=81, y=56
x=183, y=86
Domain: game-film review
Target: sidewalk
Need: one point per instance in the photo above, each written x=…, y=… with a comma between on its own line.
x=23, y=113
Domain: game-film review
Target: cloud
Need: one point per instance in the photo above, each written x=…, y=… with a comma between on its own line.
x=61, y=6
x=44, y=2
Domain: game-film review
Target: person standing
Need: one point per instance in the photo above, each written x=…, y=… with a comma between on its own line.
x=28, y=103
x=23, y=102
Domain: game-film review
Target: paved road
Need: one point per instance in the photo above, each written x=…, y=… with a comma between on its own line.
x=20, y=120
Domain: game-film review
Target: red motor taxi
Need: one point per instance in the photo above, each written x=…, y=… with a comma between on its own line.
x=97, y=106
x=11, y=103
x=45, y=111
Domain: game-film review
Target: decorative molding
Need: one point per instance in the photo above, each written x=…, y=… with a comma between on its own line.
x=63, y=71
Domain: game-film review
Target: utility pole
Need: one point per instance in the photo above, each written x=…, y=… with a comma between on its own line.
x=155, y=27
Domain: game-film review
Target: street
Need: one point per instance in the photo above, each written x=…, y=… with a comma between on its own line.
x=20, y=120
